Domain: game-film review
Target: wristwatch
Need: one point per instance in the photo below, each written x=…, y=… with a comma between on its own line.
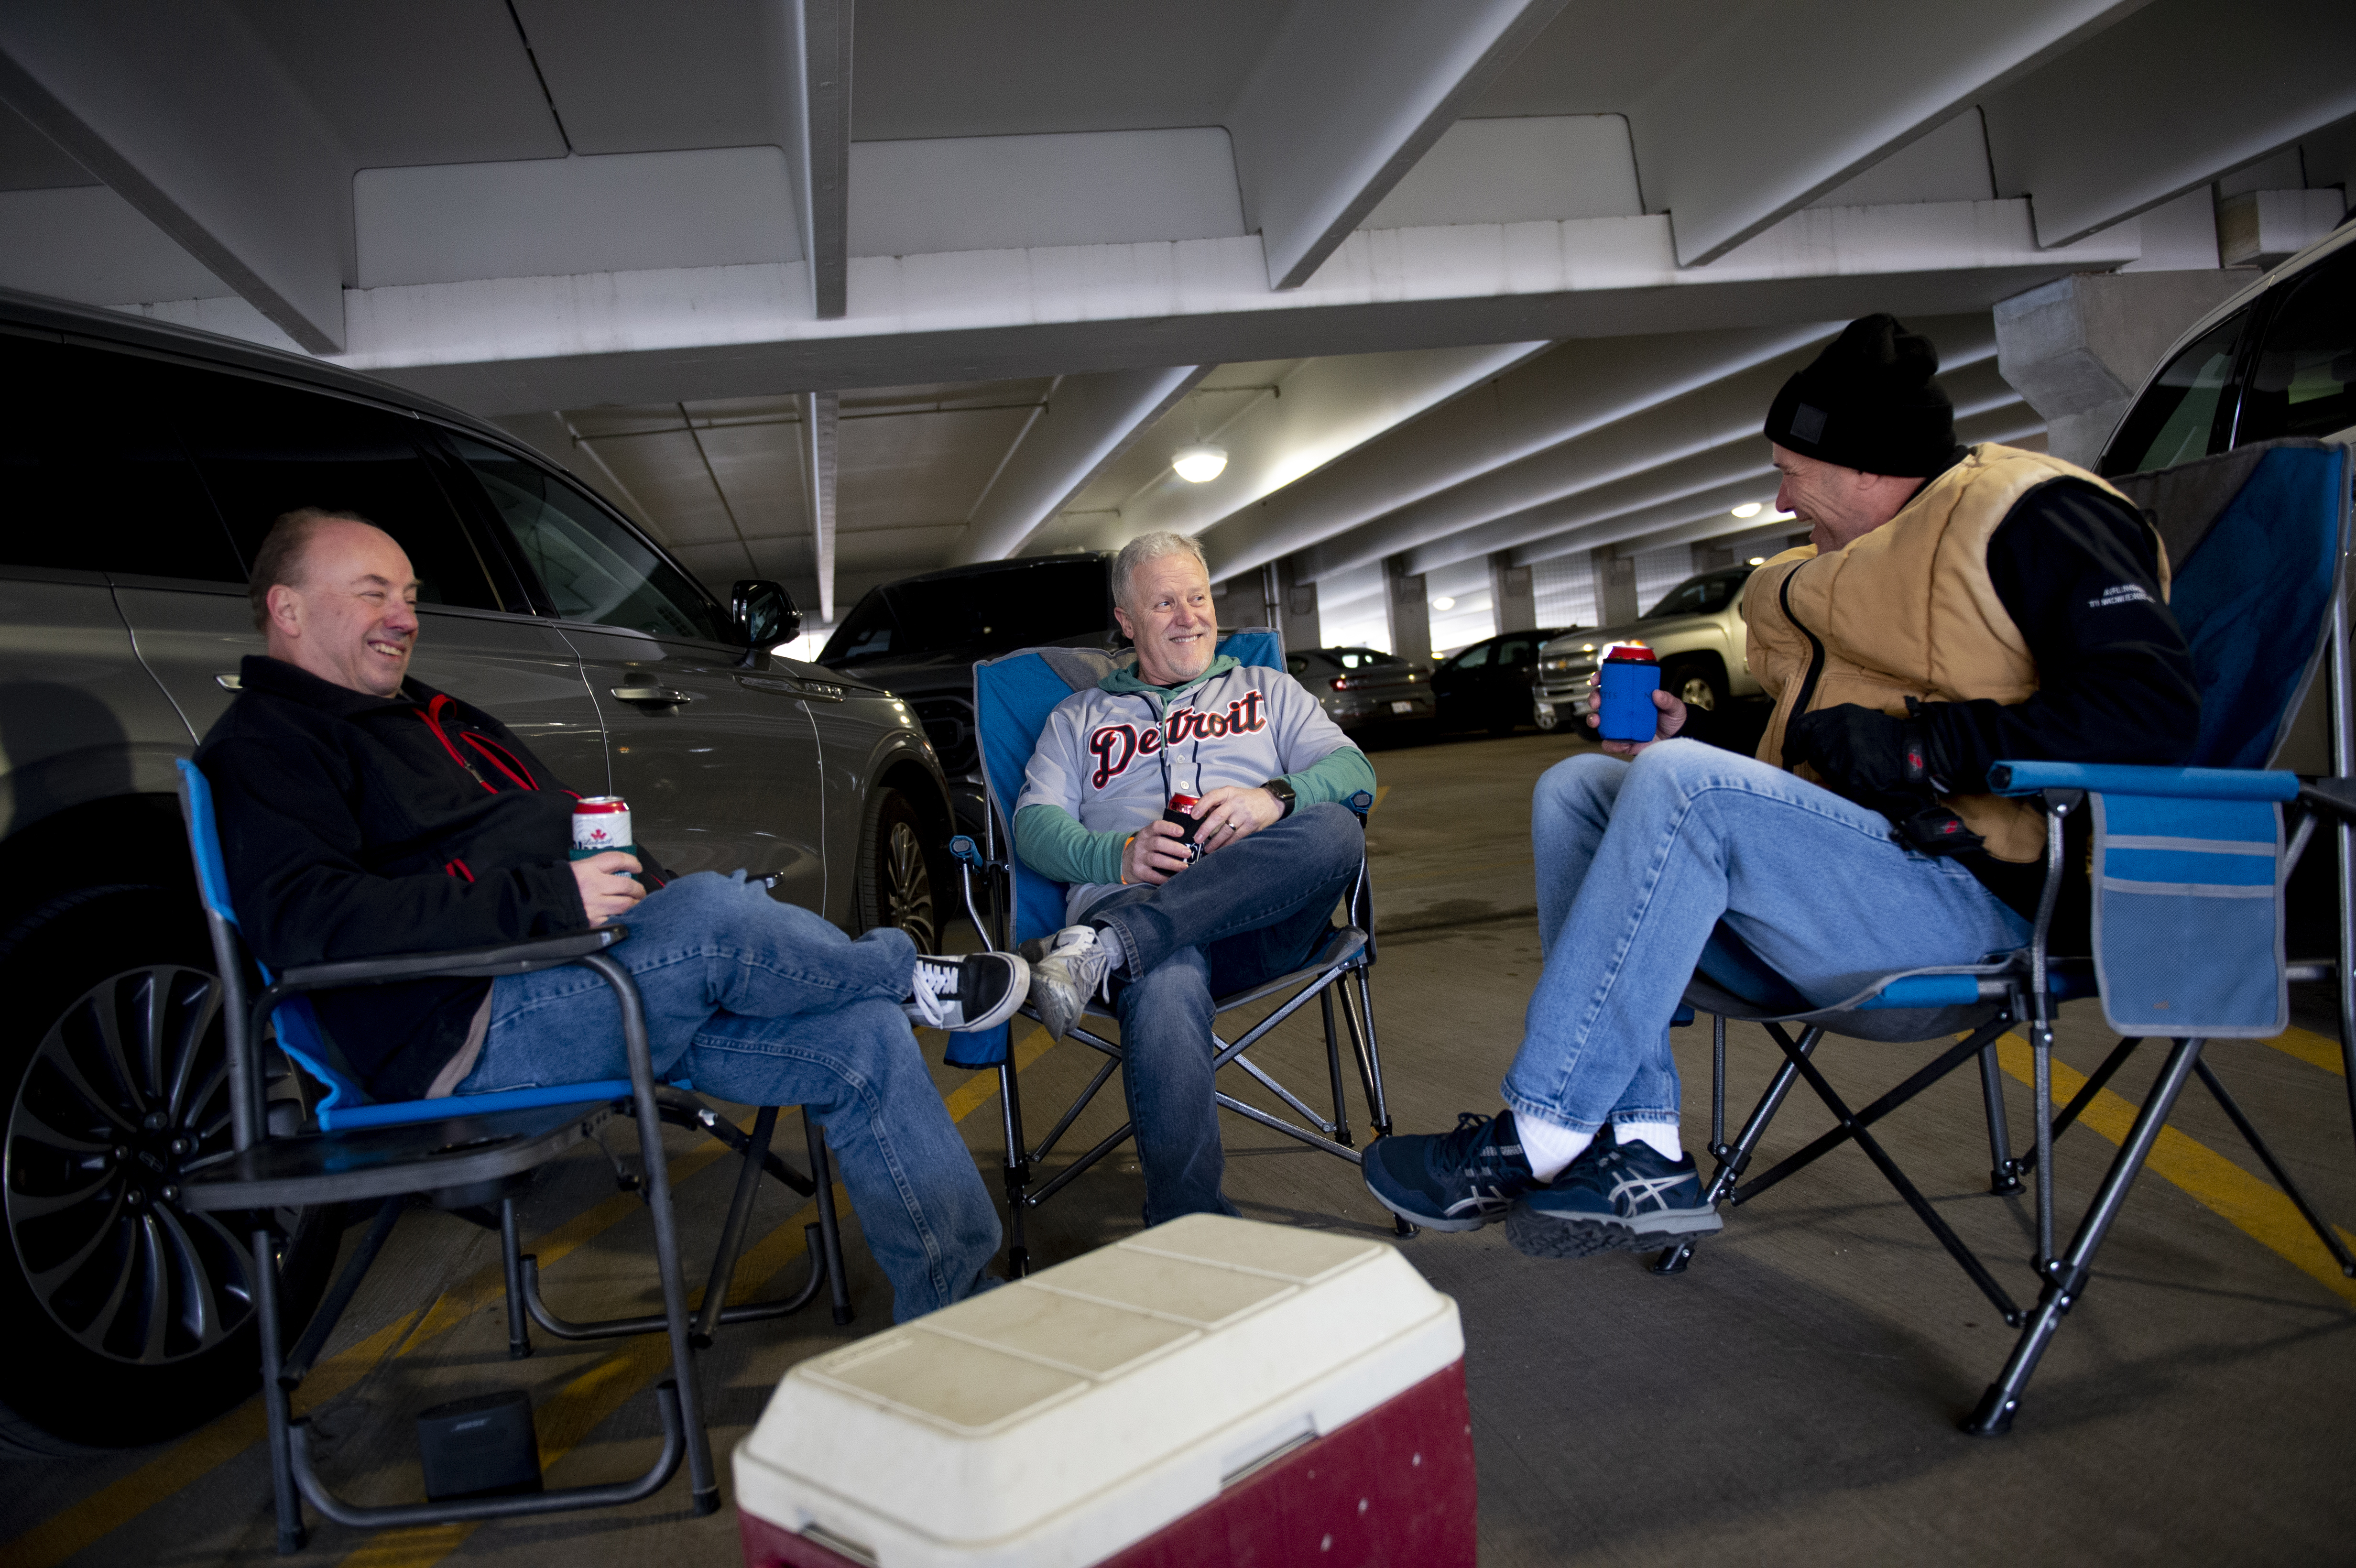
x=1284, y=795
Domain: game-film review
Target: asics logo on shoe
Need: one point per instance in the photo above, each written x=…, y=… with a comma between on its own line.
x=1481, y=1202
x=1631, y=1193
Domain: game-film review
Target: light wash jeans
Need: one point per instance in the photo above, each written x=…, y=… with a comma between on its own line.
x=764, y=1003
x=1640, y=863
x=1234, y=918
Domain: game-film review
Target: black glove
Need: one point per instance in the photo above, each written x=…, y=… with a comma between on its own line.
x=1884, y=764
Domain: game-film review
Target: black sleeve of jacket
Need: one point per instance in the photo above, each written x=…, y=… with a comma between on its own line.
x=2079, y=575
x=293, y=847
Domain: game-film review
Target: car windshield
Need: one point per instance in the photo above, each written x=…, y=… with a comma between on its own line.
x=2188, y=409
x=988, y=613
x=1360, y=658
x=1703, y=596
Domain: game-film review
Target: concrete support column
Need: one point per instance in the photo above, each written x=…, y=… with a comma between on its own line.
x=1711, y=556
x=1410, y=611
x=1296, y=607
x=2079, y=347
x=1615, y=588
x=1513, y=592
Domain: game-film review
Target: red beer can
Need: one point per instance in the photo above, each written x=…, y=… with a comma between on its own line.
x=1182, y=812
x=600, y=822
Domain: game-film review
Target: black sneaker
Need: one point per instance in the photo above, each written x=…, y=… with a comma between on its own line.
x=1450, y=1181
x=978, y=991
x=1614, y=1196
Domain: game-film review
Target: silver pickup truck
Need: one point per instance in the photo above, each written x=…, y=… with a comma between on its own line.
x=1696, y=631
x=141, y=464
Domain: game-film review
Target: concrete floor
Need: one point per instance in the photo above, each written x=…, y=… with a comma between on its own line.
x=1790, y=1399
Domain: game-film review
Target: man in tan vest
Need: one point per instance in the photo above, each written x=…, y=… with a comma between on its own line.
x=1953, y=606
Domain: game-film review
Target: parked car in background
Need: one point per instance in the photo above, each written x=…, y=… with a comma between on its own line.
x=1489, y=684
x=144, y=465
x=1365, y=690
x=921, y=635
x=2276, y=359
x=1696, y=632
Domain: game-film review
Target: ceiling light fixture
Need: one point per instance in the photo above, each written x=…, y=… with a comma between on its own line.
x=1443, y=603
x=1199, y=464
x=1757, y=561
x=1749, y=509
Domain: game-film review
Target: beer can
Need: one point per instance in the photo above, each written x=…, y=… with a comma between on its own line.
x=1181, y=811
x=600, y=822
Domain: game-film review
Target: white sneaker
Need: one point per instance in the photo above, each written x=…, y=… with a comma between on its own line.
x=978, y=991
x=1075, y=969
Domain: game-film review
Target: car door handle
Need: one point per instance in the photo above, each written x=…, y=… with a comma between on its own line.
x=662, y=696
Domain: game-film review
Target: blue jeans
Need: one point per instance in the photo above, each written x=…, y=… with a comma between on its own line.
x=1235, y=918
x=763, y=1003
x=1639, y=865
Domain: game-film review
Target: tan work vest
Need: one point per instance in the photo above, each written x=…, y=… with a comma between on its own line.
x=1908, y=611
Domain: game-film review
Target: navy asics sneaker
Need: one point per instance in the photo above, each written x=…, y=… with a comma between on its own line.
x=1613, y=1195
x=1450, y=1181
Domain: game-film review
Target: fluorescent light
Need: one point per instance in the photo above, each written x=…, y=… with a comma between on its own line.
x=1443, y=603
x=1199, y=464
x=1749, y=509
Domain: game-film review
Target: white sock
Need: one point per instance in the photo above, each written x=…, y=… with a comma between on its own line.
x=1116, y=956
x=1662, y=1136
x=1549, y=1147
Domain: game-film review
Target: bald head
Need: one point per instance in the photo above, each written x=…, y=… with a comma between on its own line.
x=338, y=598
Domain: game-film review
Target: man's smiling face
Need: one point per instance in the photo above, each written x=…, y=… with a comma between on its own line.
x=351, y=616
x=1170, y=618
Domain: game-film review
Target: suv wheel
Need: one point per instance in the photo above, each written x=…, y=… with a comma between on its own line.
x=131, y=1317
x=895, y=874
x=1697, y=683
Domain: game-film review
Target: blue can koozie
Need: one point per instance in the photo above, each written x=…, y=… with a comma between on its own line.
x=1630, y=676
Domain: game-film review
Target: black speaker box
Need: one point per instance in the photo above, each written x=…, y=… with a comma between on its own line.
x=479, y=1447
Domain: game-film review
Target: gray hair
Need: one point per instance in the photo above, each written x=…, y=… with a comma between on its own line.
x=1149, y=547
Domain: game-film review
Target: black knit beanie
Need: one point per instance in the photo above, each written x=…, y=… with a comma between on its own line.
x=1871, y=401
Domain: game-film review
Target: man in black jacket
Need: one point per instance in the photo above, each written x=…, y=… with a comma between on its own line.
x=363, y=813
x=1960, y=606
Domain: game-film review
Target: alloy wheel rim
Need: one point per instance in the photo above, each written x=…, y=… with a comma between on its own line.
x=1698, y=693
x=908, y=888
x=128, y=1090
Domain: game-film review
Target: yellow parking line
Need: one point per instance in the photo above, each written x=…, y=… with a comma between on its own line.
x=2257, y=1209
x=2312, y=1048
x=1380, y=790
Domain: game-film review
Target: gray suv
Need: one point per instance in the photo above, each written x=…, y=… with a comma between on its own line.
x=142, y=465
x=1697, y=631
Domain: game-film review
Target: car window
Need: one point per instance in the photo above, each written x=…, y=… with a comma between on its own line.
x=2303, y=382
x=115, y=493
x=986, y=614
x=265, y=450
x=1520, y=651
x=1295, y=665
x=590, y=567
x=1360, y=658
x=1473, y=657
x=2188, y=409
x=1697, y=596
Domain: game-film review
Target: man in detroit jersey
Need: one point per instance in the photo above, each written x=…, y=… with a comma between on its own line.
x=1160, y=931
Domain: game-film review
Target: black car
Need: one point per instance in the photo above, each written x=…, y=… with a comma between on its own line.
x=1366, y=690
x=921, y=637
x=1487, y=685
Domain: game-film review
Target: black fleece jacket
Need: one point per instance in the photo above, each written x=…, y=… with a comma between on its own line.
x=356, y=827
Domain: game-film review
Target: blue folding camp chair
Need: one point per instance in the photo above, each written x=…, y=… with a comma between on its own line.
x=471, y=1155
x=1011, y=699
x=2189, y=864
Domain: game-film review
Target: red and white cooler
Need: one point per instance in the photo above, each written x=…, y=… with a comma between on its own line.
x=1210, y=1390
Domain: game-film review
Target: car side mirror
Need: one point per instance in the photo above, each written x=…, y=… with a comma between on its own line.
x=764, y=613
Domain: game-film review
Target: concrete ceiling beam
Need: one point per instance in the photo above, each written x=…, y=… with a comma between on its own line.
x=1350, y=94
x=822, y=413
x=1555, y=397
x=1727, y=166
x=185, y=115
x=1089, y=421
x=2178, y=92
x=512, y=345
x=817, y=114
x=1695, y=489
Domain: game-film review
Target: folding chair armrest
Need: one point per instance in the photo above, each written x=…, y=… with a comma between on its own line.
x=507, y=958
x=2018, y=778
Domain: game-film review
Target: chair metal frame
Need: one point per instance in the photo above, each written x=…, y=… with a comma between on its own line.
x=1348, y=956
x=464, y=1158
x=2024, y=988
